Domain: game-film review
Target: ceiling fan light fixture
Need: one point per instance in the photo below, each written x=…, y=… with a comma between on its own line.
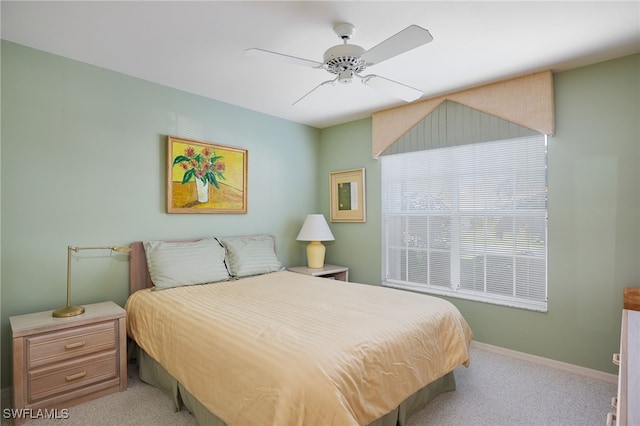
x=345, y=76
x=344, y=57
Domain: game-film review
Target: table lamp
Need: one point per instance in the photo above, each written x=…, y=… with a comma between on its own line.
x=72, y=311
x=315, y=229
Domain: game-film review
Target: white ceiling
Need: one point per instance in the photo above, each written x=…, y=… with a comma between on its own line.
x=198, y=46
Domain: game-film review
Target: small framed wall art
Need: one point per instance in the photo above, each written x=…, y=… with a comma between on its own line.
x=347, y=196
x=205, y=178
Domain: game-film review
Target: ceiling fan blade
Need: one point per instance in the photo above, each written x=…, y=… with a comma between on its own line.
x=398, y=90
x=265, y=54
x=411, y=37
x=324, y=83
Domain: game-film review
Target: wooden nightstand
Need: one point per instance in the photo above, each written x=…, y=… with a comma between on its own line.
x=340, y=273
x=60, y=362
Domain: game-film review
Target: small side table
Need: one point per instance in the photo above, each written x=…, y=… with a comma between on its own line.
x=59, y=362
x=340, y=273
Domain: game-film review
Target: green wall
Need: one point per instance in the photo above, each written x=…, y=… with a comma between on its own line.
x=593, y=216
x=356, y=245
x=83, y=163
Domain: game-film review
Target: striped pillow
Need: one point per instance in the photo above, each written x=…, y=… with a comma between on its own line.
x=251, y=255
x=173, y=264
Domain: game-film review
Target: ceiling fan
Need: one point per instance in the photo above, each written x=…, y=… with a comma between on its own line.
x=349, y=60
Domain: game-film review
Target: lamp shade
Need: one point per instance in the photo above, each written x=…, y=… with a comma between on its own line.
x=315, y=228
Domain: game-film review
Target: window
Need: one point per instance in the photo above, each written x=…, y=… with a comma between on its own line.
x=469, y=221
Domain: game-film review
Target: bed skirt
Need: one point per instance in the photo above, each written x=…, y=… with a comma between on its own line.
x=152, y=373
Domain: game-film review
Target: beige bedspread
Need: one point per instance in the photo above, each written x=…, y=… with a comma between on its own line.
x=290, y=349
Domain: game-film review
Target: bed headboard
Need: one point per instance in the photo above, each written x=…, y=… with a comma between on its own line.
x=138, y=272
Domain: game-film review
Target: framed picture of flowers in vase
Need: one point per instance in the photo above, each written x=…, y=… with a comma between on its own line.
x=205, y=178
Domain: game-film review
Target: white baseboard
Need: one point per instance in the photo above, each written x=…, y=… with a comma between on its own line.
x=576, y=369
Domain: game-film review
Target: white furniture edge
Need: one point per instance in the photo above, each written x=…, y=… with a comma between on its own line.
x=559, y=365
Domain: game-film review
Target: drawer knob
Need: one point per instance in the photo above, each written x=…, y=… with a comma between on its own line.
x=74, y=345
x=75, y=376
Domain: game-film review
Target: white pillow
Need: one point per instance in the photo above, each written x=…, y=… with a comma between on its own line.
x=173, y=264
x=251, y=255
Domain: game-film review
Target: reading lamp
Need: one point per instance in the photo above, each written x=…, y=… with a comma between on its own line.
x=72, y=311
x=315, y=229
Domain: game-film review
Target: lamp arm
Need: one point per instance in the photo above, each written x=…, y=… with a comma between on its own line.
x=112, y=248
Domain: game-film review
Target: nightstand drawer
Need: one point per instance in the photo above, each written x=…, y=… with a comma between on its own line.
x=46, y=382
x=67, y=344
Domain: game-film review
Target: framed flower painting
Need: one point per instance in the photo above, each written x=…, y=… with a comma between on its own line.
x=205, y=178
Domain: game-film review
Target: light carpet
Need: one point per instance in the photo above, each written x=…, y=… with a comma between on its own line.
x=496, y=390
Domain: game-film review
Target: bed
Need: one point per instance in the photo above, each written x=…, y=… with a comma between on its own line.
x=250, y=343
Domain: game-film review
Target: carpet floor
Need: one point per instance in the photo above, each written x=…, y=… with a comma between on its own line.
x=496, y=390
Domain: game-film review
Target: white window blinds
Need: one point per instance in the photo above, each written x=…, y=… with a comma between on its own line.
x=468, y=221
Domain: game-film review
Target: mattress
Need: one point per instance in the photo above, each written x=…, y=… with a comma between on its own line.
x=286, y=348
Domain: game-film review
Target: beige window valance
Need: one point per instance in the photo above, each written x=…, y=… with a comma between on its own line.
x=526, y=101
